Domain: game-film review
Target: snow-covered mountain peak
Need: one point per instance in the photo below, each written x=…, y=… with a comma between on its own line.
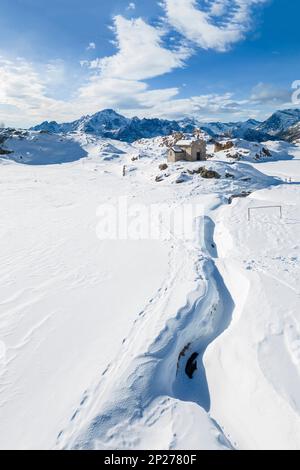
x=110, y=124
x=280, y=121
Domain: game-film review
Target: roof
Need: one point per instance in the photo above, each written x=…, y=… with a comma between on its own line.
x=176, y=149
x=186, y=143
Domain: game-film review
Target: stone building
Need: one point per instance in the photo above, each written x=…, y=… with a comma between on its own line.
x=191, y=150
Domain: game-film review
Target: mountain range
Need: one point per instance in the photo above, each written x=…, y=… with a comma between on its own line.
x=110, y=124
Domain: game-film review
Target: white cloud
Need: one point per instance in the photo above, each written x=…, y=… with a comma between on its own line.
x=55, y=72
x=141, y=54
x=118, y=80
x=266, y=93
x=131, y=6
x=99, y=93
x=25, y=100
x=91, y=46
x=26, y=93
x=208, y=106
x=22, y=91
x=216, y=25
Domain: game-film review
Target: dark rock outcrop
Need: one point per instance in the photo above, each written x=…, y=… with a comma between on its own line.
x=163, y=166
x=205, y=173
x=219, y=146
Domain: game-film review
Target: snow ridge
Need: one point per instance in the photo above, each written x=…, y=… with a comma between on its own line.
x=158, y=374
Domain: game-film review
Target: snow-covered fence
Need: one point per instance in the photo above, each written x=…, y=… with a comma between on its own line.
x=262, y=208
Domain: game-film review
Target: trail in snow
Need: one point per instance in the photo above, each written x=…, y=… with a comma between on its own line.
x=203, y=319
x=141, y=374
x=160, y=371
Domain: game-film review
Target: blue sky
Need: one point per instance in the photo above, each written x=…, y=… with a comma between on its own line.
x=214, y=59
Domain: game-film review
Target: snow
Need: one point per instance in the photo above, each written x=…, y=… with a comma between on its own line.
x=177, y=149
x=95, y=334
x=61, y=320
x=253, y=368
x=279, y=167
x=41, y=149
x=253, y=152
x=280, y=121
x=186, y=142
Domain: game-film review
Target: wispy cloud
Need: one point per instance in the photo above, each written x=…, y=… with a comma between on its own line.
x=267, y=93
x=140, y=52
x=119, y=80
x=209, y=106
x=91, y=46
x=23, y=91
x=131, y=6
x=214, y=25
x=24, y=98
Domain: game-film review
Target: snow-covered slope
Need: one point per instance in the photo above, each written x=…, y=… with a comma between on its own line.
x=280, y=121
x=98, y=335
x=36, y=148
x=234, y=129
x=253, y=368
x=292, y=134
x=243, y=150
x=42, y=148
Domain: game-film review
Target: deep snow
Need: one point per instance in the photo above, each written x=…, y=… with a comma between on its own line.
x=96, y=334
